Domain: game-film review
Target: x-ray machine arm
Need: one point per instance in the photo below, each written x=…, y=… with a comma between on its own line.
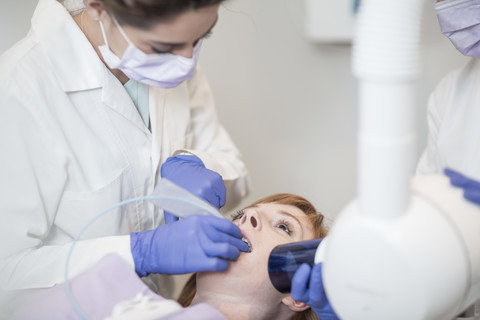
x=405, y=248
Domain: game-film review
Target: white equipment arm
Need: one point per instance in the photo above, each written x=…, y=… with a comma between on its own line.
x=404, y=249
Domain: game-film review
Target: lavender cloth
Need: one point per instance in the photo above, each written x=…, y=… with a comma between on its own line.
x=98, y=290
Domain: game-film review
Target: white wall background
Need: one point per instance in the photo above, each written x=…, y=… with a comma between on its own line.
x=289, y=104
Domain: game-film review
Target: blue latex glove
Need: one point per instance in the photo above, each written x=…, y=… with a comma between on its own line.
x=193, y=244
x=307, y=286
x=471, y=188
x=189, y=172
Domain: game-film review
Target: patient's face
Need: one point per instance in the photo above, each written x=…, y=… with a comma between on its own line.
x=268, y=225
x=265, y=226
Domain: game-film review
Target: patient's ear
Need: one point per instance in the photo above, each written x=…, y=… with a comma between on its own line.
x=294, y=305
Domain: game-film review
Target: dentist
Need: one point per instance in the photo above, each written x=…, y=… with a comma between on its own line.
x=93, y=102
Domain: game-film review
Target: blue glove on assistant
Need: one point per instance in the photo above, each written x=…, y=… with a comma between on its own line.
x=471, y=188
x=189, y=172
x=307, y=286
x=193, y=244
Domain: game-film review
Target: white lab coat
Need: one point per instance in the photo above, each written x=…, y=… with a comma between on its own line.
x=453, y=118
x=454, y=124
x=74, y=144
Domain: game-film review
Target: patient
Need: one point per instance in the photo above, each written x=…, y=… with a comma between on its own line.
x=112, y=289
x=245, y=288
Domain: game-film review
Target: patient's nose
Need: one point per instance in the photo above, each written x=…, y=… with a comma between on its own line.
x=252, y=219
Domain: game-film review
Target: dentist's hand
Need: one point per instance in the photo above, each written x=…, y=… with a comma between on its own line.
x=307, y=286
x=471, y=188
x=193, y=244
x=189, y=172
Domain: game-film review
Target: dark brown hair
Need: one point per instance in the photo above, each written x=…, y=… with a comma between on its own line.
x=319, y=231
x=144, y=13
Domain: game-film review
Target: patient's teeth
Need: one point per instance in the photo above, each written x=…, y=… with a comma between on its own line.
x=248, y=244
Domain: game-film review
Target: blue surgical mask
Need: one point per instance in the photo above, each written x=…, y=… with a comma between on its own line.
x=460, y=22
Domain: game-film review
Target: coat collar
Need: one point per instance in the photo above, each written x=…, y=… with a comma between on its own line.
x=76, y=64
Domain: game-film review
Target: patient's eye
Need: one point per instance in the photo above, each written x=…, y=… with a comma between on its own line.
x=238, y=215
x=285, y=226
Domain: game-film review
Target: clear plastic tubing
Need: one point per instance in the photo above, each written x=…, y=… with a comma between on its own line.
x=285, y=259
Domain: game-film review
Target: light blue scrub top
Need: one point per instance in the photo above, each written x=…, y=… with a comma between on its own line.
x=139, y=94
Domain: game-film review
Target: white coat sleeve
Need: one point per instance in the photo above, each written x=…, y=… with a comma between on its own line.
x=212, y=144
x=442, y=100
x=429, y=160
x=452, y=119
x=32, y=180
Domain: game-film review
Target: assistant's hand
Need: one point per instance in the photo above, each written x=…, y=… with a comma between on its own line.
x=193, y=244
x=307, y=286
x=189, y=172
x=471, y=188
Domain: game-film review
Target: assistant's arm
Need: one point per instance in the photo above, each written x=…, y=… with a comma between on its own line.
x=430, y=159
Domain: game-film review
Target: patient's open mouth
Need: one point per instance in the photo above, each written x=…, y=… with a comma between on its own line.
x=248, y=244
